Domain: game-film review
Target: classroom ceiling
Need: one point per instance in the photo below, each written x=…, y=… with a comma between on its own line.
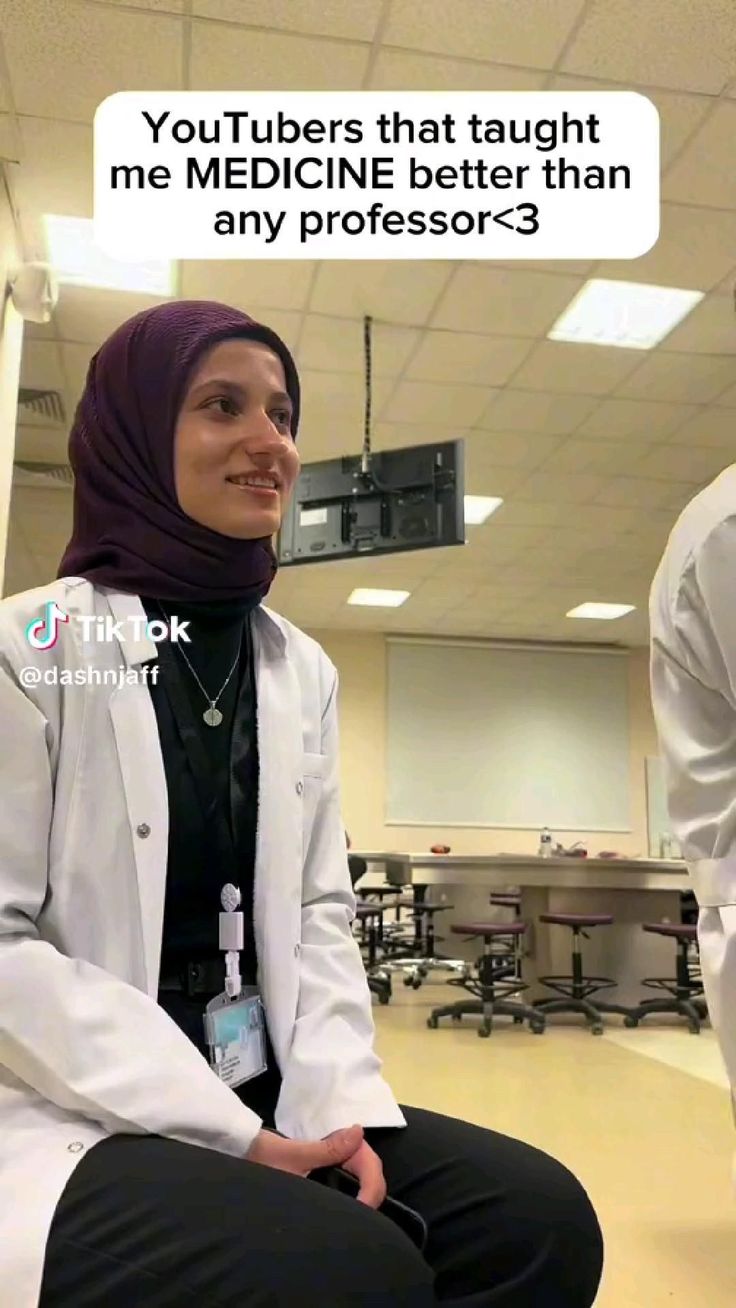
x=595, y=450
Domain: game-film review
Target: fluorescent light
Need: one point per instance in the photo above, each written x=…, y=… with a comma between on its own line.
x=380, y=599
x=77, y=261
x=628, y=314
x=604, y=612
x=479, y=507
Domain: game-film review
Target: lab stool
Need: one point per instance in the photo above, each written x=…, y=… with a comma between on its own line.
x=507, y=899
x=685, y=990
x=424, y=943
x=493, y=985
x=576, y=988
x=379, y=980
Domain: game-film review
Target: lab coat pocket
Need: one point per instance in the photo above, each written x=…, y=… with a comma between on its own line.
x=313, y=773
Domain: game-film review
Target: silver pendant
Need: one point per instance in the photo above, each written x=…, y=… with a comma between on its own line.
x=212, y=716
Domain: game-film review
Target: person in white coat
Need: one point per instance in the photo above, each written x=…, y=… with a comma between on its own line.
x=693, y=683
x=146, y=1157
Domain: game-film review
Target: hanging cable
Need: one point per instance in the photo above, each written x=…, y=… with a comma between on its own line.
x=366, y=458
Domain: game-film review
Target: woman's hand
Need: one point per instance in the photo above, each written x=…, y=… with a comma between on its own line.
x=367, y=1167
x=300, y=1157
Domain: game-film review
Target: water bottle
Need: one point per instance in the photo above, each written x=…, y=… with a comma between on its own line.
x=545, y=844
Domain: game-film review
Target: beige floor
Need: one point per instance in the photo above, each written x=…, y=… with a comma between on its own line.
x=642, y=1117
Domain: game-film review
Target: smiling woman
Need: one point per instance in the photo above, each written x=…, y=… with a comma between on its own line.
x=235, y=460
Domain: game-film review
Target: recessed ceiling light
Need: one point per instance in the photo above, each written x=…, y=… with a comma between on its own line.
x=480, y=507
x=604, y=612
x=627, y=314
x=77, y=261
x=380, y=599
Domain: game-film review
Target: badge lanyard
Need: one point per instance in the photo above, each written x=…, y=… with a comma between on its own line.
x=234, y=1021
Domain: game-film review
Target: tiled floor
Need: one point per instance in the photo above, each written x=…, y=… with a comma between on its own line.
x=642, y=1117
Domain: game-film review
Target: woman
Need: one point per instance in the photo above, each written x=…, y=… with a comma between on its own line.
x=130, y=1172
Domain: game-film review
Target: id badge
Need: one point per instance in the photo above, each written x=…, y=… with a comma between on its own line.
x=235, y=1034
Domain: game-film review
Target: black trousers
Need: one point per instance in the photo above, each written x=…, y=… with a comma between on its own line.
x=146, y=1222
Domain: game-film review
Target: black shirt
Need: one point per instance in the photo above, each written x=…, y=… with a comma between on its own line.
x=220, y=637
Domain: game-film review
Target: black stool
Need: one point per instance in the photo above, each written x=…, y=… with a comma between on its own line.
x=576, y=988
x=379, y=981
x=493, y=984
x=684, y=990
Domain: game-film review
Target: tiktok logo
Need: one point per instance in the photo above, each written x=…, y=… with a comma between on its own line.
x=43, y=633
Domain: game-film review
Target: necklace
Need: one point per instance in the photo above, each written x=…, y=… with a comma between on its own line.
x=212, y=715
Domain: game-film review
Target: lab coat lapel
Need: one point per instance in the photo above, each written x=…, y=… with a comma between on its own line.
x=277, y=904
x=144, y=783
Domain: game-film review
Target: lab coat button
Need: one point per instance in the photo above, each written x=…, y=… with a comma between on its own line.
x=300, y=787
x=75, y=1148
x=143, y=830
x=296, y=950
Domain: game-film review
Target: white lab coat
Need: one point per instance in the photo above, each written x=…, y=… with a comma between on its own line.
x=693, y=681
x=85, y=1051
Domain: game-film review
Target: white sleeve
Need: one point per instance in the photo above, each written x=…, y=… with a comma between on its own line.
x=78, y=1036
x=332, y=1076
x=693, y=680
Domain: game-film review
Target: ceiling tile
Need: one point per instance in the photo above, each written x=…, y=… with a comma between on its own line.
x=110, y=49
x=713, y=426
x=504, y=302
x=625, y=41
x=567, y=367
x=536, y=411
x=40, y=365
x=229, y=58
x=356, y=21
x=55, y=176
x=159, y=6
x=332, y=412
x=695, y=250
x=635, y=419
x=88, y=316
x=501, y=31
x=486, y=479
x=403, y=70
x=704, y=171
x=510, y=449
x=635, y=492
x=459, y=357
x=679, y=115
x=562, y=489
x=728, y=398
x=336, y=344
x=399, y=292
x=433, y=402
x=10, y=145
x=250, y=284
x=709, y=329
x=685, y=378
x=76, y=359
x=608, y=458
x=524, y=510
x=683, y=463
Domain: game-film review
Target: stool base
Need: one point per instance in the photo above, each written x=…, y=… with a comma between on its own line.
x=488, y=1009
x=687, y=1008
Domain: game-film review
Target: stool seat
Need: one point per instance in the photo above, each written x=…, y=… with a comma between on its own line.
x=505, y=900
x=488, y=928
x=369, y=910
x=676, y=930
x=577, y=919
x=423, y=908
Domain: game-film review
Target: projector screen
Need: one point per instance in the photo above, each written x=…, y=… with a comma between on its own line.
x=493, y=736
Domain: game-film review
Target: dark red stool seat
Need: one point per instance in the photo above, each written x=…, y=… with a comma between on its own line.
x=684, y=991
x=577, y=919
x=488, y=929
x=677, y=930
x=498, y=979
x=576, y=988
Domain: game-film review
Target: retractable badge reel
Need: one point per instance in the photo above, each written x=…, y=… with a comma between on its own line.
x=233, y=1021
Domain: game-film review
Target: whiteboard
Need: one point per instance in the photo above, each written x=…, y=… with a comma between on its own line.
x=491, y=736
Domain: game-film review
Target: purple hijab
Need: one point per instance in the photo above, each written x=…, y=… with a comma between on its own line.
x=129, y=531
